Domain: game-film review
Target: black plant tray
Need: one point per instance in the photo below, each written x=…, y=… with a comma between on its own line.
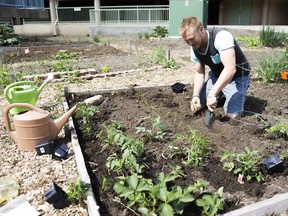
x=178, y=87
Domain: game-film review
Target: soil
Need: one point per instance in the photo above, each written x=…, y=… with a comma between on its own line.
x=266, y=105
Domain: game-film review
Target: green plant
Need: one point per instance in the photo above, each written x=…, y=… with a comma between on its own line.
x=5, y=78
x=277, y=130
x=63, y=54
x=159, y=31
x=269, y=67
x=251, y=41
x=159, y=57
x=245, y=163
x=77, y=192
x=6, y=35
x=270, y=37
x=193, y=155
x=87, y=112
x=156, y=129
x=211, y=203
x=61, y=66
x=96, y=39
x=105, y=68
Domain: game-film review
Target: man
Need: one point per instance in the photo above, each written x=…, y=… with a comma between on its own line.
x=229, y=67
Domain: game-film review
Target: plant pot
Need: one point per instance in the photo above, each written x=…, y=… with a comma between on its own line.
x=284, y=74
x=54, y=194
x=61, y=152
x=273, y=164
x=45, y=148
x=178, y=87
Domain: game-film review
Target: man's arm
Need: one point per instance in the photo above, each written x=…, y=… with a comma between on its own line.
x=228, y=59
x=199, y=78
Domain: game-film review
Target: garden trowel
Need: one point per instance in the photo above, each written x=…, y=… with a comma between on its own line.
x=209, y=118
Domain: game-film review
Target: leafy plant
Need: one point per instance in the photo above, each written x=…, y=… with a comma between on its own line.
x=251, y=41
x=270, y=37
x=77, y=192
x=96, y=39
x=159, y=57
x=5, y=78
x=211, y=203
x=270, y=66
x=155, y=131
x=61, y=66
x=244, y=163
x=105, y=68
x=63, y=54
x=277, y=130
x=87, y=112
x=159, y=31
x=6, y=35
x=193, y=155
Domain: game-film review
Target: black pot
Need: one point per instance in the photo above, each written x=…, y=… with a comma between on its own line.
x=178, y=87
x=55, y=194
x=273, y=164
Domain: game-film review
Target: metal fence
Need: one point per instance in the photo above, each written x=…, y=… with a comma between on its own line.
x=136, y=14
x=109, y=15
x=23, y=3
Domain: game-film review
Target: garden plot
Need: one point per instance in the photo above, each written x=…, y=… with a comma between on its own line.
x=152, y=133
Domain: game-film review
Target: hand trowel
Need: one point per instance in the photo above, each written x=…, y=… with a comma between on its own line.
x=209, y=118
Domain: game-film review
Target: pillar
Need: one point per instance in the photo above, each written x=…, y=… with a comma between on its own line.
x=53, y=14
x=97, y=11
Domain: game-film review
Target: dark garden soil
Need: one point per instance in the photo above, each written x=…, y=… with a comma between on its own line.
x=266, y=105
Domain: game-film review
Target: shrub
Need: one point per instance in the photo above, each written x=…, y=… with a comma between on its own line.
x=6, y=35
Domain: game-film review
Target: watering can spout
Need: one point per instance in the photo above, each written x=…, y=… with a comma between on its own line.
x=48, y=79
x=57, y=124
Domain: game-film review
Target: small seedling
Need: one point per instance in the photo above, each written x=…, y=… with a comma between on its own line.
x=105, y=69
x=77, y=192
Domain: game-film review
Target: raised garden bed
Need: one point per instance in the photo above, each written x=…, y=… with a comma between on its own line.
x=134, y=108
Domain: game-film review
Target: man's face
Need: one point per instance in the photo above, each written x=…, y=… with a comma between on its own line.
x=194, y=38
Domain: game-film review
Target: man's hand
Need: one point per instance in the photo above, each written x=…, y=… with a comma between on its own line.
x=211, y=103
x=195, y=104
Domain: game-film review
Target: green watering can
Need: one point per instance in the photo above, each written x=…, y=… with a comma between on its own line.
x=23, y=92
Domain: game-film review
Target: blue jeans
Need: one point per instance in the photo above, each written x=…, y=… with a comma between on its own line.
x=235, y=93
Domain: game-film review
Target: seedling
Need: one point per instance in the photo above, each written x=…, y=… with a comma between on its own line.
x=77, y=192
x=278, y=130
x=193, y=155
x=156, y=131
x=105, y=69
x=245, y=163
x=87, y=112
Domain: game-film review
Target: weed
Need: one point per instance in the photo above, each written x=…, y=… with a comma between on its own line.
x=245, y=163
x=105, y=69
x=77, y=192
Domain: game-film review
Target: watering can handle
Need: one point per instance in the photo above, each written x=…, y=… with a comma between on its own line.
x=26, y=105
x=6, y=91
